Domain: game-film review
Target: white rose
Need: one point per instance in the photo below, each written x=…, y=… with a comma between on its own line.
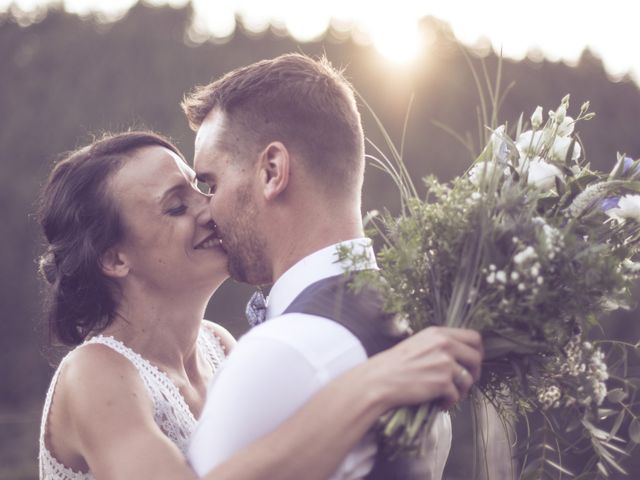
x=628, y=208
x=560, y=149
x=542, y=174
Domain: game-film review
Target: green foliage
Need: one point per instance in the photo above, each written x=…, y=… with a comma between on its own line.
x=521, y=249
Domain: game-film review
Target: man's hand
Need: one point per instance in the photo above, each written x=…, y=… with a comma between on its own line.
x=436, y=364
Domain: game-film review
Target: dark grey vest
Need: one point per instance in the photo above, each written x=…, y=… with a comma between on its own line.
x=362, y=314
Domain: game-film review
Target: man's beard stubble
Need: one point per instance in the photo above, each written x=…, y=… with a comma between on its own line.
x=246, y=248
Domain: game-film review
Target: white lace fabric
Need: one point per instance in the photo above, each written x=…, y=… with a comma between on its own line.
x=171, y=412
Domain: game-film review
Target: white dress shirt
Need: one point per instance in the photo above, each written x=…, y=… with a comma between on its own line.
x=277, y=366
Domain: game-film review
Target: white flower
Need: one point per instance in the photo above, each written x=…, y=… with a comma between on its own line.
x=500, y=144
x=542, y=174
x=527, y=254
x=484, y=170
x=501, y=276
x=628, y=208
x=631, y=266
x=536, y=118
x=560, y=149
x=530, y=142
x=565, y=128
x=497, y=140
x=560, y=114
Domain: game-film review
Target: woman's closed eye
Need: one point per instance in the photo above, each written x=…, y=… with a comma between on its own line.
x=176, y=211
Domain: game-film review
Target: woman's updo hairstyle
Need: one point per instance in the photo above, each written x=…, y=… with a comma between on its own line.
x=80, y=223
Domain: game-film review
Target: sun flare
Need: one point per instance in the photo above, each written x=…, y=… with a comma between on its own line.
x=397, y=43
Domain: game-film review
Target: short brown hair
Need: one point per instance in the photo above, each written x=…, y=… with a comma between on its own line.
x=307, y=104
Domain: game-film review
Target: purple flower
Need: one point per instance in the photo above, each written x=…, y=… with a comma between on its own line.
x=626, y=166
x=609, y=203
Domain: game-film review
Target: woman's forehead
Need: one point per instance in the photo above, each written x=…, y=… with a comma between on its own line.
x=151, y=171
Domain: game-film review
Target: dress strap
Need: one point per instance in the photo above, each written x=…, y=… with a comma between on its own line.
x=142, y=365
x=211, y=346
x=47, y=403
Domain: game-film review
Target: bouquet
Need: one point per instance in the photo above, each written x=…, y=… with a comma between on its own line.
x=531, y=247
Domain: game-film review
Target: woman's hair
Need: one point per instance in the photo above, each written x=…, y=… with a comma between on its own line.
x=81, y=222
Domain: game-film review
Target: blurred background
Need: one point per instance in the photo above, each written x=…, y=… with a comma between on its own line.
x=72, y=69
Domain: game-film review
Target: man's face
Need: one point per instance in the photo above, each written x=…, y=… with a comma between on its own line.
x=233, y=181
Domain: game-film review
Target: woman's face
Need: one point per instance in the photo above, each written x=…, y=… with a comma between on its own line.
x=170, y=242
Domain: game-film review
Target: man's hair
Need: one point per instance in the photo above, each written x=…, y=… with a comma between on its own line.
x=306, y=104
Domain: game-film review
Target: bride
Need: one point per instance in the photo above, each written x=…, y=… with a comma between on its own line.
x=132, y=260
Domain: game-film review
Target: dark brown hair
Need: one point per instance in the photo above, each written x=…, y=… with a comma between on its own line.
x=80, y=223
x=304, y=103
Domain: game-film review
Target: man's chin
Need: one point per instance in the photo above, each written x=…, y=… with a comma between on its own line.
x=241, y=274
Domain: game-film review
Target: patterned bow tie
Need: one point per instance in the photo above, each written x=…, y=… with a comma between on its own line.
x=256, y=310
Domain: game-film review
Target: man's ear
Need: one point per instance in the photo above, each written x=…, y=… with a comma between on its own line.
x=114, y=263
x=275, y=162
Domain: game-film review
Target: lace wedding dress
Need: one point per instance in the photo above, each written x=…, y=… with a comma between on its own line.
x=171, y=412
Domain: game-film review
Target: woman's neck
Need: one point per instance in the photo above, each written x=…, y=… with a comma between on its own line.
x=162, y=328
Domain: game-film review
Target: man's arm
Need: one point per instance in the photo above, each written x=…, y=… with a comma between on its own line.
x=264, y=382
x=313, y=442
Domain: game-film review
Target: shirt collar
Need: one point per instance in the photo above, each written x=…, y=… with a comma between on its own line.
x=315, y=267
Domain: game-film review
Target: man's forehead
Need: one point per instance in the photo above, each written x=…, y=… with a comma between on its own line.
x=208, y=133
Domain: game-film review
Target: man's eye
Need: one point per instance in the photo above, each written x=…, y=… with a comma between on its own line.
x=204, y=188
x=176, y=211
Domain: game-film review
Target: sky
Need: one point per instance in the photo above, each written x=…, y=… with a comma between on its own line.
x=559, y=29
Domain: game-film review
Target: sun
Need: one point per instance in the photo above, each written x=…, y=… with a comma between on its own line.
x=399, y=45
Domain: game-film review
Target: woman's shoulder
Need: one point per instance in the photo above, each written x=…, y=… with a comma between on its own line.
x=94, y=388
x=95, y=372
x=222, y=334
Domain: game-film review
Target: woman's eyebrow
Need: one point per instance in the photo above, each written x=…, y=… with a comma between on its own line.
x=171, y=190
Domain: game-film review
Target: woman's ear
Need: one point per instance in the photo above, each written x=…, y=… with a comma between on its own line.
x=275, y=162
x=114, y=263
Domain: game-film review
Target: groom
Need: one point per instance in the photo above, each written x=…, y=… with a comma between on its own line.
x=281, y=146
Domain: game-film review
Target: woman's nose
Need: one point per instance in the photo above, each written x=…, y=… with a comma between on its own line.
x=204, y=210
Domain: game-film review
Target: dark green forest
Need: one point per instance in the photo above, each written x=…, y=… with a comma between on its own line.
x=66, y=78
